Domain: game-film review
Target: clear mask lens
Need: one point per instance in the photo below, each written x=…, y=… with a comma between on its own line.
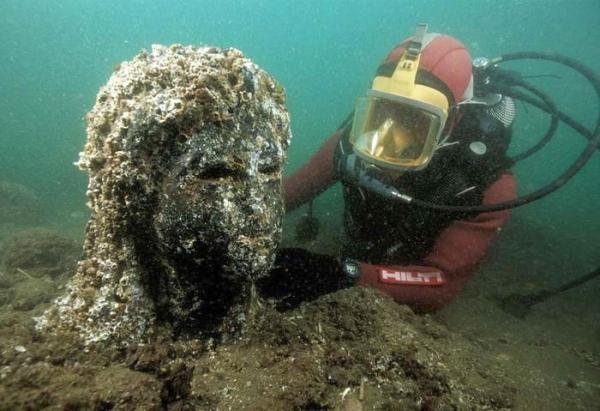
x=394, y=134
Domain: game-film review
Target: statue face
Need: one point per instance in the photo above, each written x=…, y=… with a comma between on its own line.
x=220, y=210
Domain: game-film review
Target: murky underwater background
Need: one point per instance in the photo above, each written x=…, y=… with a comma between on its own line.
x=54, y=55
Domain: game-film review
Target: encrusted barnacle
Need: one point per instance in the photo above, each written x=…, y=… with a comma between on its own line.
x=185, y=191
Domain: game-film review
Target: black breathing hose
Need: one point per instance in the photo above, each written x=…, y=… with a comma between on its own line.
x=565, y=118
x=590, y=149
x=550, y=108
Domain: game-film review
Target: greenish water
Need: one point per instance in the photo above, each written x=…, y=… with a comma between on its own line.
x=56, y=54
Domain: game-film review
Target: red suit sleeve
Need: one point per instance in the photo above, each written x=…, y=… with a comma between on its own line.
x=314, y=177
x=456, y=253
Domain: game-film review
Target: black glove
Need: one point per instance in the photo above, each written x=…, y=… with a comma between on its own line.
x=299, y=275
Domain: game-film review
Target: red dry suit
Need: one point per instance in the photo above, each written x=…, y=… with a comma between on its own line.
x=435, y=279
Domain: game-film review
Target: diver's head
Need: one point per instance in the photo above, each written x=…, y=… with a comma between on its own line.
x=399, y=123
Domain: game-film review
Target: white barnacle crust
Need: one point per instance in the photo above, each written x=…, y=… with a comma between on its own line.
x=184, y=152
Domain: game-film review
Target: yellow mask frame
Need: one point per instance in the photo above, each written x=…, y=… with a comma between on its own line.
x=371, y=130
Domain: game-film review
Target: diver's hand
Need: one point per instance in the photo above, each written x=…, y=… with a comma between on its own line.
x=299, y=275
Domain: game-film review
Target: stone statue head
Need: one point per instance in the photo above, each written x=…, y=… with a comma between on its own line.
x=185, y=152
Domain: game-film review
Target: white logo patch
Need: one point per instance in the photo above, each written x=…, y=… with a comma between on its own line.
x=411, y=277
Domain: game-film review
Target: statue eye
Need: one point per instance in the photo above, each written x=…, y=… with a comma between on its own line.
x=219, y=172
x=271, y=168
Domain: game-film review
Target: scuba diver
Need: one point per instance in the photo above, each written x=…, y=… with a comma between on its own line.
x=425, y=174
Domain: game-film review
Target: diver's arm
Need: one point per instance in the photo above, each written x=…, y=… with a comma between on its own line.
x=312, y=178
x=448, y=267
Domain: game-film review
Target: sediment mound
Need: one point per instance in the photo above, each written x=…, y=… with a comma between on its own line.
x=355, y=349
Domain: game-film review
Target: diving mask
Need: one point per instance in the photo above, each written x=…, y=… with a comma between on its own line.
x=399, y=123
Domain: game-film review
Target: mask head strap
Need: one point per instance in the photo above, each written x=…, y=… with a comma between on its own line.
x=414, y=46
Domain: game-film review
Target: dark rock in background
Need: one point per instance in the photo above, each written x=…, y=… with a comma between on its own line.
x=18, y=204
x=40, y=252
x=34, y=266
